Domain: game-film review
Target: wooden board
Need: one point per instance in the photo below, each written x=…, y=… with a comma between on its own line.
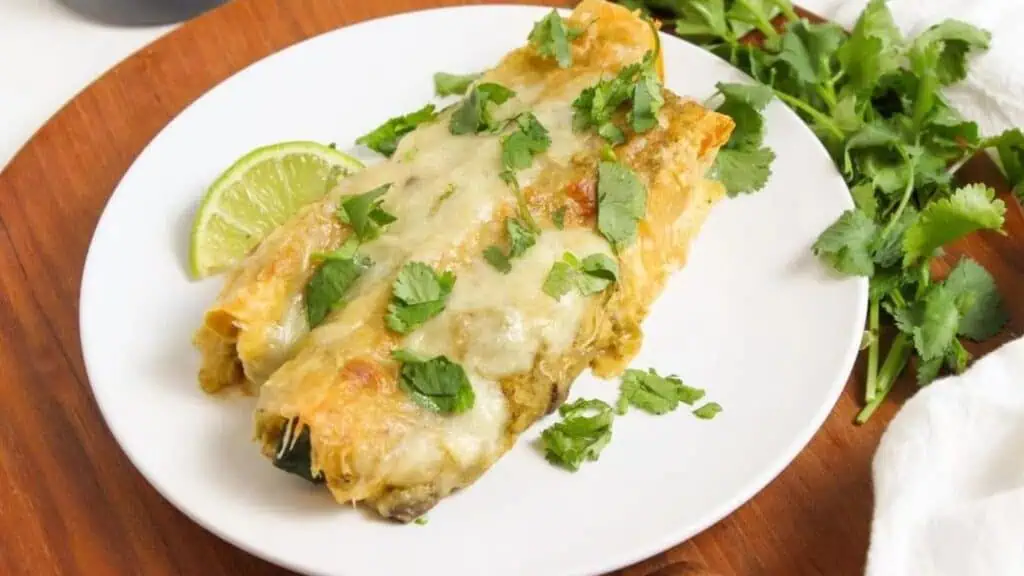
x=72, y=504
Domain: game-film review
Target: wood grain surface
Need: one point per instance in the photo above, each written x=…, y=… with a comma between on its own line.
x=70, y=502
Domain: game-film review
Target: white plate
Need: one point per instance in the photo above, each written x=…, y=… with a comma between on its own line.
x=753, y=318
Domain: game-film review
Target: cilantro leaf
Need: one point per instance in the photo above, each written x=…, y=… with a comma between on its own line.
x=805, y=48
x=924, y=63
x=931, y=321
x=621, y=203
x=864, y=198
x=757, y=96
x=581, y=435
x=437, y=384
x=521, y=238
x=971, y=208
x=743, y=171
x=847, y=244
x=364, y=212
x=873, y=49
x=889, y=248
x=519, y=147
x=647, y=100
x=703, y=20
x=653, y=393
x=327, y=286
x=928, y=371
x=384, y=138
x=475, y=113
x=611, y=133
x=708, y=411
x=595, y=273
x=496, y=257
x=446, y=84
x=1010, y=147
x=417, y=295
x=551, y=38
x=748, y=133
x=953, y=41
x=981, y=306
x=560, y=280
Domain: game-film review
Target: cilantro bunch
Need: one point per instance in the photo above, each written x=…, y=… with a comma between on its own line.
x=873, y=97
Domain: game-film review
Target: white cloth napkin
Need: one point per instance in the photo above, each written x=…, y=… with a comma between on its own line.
x=949, y=472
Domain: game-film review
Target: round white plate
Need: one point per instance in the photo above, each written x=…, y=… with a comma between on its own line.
x=753, y=318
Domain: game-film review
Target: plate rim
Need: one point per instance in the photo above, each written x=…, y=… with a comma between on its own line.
x=628, y=556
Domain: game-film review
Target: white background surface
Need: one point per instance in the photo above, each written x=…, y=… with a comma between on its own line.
x=48, y=54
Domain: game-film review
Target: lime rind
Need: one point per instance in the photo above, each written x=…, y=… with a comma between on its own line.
x=257, y=193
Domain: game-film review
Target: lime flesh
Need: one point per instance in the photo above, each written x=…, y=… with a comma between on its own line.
x=258, y=193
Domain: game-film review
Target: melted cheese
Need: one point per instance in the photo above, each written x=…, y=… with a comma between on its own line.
x=496, y=324
x=468, y=439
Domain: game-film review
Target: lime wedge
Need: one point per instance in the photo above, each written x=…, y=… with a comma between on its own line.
x=258, y=193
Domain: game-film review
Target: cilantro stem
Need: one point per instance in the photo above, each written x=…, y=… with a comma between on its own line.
x=827, y=91
x=903, y=201
x=787, y=9
x=810, y=111
x=894, y=364
x=871, y=386
x=960, y=163
x=766, y=28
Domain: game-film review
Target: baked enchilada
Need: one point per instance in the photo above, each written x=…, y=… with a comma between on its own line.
x=403, y=331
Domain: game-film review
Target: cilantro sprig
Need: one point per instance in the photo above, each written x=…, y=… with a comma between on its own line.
x=874, y=99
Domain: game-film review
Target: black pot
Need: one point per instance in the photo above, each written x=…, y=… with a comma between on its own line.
x=140, y=12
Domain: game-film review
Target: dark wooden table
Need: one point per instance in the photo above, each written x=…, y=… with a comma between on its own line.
x=70, y=502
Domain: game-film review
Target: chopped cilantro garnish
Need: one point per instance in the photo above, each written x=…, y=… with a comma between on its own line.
x=589, y=276
x=521, y=237
x=437, y=384
x=364, y=212
x=653, y=393
x=585, y=429
x=621, y=203
x=708, y=411
x=519, y=147
x=637, y=84
x=326, y=289
x=417, y=295
x=446, y=84
x=384, y=139
x=551, y=37
x=476, y=111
